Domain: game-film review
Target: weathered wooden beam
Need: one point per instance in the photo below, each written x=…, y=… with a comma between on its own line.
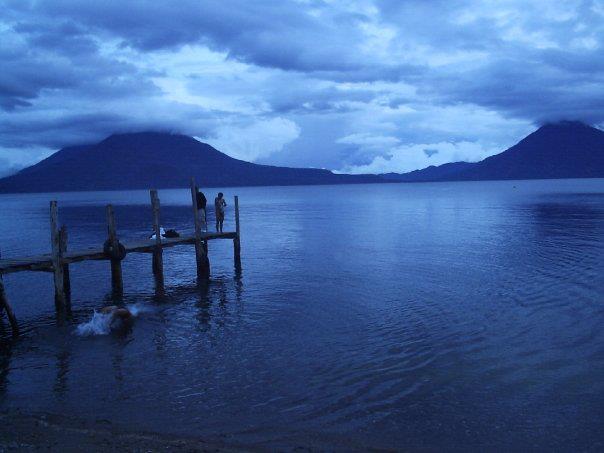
x=57, y=265
x=43, y=263
x=237, y=240
x=117, y=283
x=4, y=305
x=158, y=262
x=66, y=276
x=34, y=263
x=201, y=257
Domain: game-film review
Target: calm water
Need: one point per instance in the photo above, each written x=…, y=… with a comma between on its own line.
x=419, y=316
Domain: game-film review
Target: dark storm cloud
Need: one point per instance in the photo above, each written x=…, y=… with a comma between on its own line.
x=543, y=61
x=265, y=33
x=60, y=57
x=55, y=132
x=67, y=37
x=385, y=71
x=540, y=88
x=74, y=128
x=23, y=77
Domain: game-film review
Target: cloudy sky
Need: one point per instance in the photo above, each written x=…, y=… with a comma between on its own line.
x=355, y=86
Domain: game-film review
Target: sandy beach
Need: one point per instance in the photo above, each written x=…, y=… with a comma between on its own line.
x=44, y=432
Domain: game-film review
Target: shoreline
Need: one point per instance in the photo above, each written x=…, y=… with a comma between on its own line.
x=37, y=431
x=43, y=431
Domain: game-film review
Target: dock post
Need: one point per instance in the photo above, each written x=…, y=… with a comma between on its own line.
x=4, y=305
x=201, y=254
x=237, y=240
x=158, y=262
x=66, y=277
x=57, y=265
x=117, y=284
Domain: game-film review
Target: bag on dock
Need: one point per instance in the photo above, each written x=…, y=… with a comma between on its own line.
x=171, y=233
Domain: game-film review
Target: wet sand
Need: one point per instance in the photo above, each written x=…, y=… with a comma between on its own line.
x=37, y=432
x=21, y=431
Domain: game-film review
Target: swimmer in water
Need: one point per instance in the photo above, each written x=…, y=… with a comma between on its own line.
x=117, y=314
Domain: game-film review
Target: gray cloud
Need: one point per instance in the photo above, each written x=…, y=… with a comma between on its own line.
x=266, y=33
x=60, y=58
x=7, y=167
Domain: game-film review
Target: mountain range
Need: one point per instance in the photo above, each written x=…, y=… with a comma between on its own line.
x=162, y=160
x=567, y=149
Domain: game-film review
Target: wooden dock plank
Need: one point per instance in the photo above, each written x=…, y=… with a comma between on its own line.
x=30, y=263
x=44, y=262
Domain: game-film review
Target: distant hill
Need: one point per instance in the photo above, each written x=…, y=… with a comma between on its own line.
x=431, y=173
x=563, y=150
x=567, y=149
x=160, y=160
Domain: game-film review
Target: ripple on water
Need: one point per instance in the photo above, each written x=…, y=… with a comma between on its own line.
x=468, y=316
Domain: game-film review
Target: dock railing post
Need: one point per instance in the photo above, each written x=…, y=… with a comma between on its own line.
x=66, y=277
x=237, y=240
x=117, y=283
x=4, y=305
x=201, y=254
x=158, y=263
x=57, y=265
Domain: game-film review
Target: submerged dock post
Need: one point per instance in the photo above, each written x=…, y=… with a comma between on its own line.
x=237, y=240
x=57, y=265
x=66, y=277
x=4, y=305
x=201, y=250
x=117, y=284
x=158, y=262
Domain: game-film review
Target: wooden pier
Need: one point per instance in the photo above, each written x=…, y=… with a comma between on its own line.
x=113, y=250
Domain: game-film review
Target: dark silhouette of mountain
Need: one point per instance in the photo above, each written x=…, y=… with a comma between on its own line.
x=563, y=150
x=431, y=173
x=161, y=160
x=567, y=149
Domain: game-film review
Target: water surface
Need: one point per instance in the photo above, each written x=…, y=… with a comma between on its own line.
x=421, y=316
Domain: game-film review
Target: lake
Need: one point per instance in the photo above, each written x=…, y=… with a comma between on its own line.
x=410, y=316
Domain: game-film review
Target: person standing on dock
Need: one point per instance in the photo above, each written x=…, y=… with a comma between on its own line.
x=201, y=206
x=219, y=205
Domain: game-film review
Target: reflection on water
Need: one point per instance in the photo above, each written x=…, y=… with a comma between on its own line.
x=426, y=316
x=5, y=358
x=62, y=366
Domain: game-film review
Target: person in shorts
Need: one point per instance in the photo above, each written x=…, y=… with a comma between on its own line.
x=219, y=205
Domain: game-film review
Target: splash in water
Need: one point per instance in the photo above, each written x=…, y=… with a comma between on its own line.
x=137, y=309
x=103, y=323
x=99, y=324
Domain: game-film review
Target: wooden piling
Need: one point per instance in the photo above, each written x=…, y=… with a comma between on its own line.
x=158, y=263
x=201, y=256
x=66, y=276
x=57, y=265
x=117, y=283
x=4, y=305
x=237, y=240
